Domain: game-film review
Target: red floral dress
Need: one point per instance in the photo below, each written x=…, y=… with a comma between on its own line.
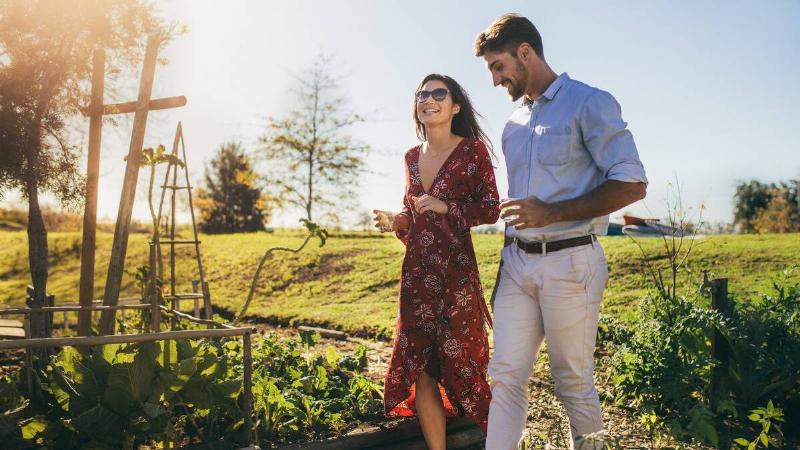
x=440, y=327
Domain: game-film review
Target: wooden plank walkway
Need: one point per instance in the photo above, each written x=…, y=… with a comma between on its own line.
x=11, y=329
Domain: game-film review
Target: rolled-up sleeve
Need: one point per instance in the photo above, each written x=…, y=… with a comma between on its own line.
x=608, y=140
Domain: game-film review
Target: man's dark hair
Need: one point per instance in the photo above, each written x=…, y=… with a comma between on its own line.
x=506, y=34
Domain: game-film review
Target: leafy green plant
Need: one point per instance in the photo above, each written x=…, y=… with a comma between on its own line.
x=768, y=418
x=274, y=413
x=763, y=338
x=105, y=399
x=122, y=396
x=153, y=157
x=356, y=362
x=303, y=394
x=665, y=365
x=365, y=397
x=142, y=318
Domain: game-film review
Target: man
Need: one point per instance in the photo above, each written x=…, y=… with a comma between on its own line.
x=571, y=161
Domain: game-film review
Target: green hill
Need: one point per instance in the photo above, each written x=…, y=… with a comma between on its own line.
x=351, y=283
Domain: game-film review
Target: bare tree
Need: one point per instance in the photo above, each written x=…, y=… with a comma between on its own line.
x=319, y=161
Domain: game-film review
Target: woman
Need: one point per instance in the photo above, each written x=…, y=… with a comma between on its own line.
x=441, y=350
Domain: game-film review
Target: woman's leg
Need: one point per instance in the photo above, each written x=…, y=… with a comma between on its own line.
x=430, y=411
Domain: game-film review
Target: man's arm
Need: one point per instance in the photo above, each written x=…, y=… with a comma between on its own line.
x=610, y=196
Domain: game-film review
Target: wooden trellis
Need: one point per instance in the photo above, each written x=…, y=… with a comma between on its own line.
x=141, y=107
x=171, y=188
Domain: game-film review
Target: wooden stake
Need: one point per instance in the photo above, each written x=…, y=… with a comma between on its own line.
x=203, y=283
x=247, y=384
x=119, y=248
x=90, y=211
x=176, y=304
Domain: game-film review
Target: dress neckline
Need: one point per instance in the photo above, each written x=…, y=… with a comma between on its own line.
x=441, y=168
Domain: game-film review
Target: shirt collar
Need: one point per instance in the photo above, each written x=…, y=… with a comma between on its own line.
x=551, y=90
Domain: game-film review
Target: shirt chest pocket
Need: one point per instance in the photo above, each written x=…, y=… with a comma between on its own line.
x=554, y=145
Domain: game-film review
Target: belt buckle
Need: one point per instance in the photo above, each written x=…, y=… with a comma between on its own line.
x=524, y=246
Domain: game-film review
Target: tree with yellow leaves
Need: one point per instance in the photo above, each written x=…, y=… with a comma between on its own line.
x=232, y=199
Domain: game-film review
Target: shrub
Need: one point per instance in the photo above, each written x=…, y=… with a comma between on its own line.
x=665, y=364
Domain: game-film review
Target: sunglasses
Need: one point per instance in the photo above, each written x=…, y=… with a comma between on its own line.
x=438, y=94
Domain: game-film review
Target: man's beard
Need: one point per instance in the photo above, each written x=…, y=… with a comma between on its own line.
x=517, y=84
x=515, y=91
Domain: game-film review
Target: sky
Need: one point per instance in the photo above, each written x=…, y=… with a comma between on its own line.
x=709, y=89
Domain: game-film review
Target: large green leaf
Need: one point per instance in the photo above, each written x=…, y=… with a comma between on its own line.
x=109, y=352
x=153, y=410
x=130, y=383
x=332, y=356
x=209, y=365
x=187, y=349
x=175, y=379
x=71, y=362
x=34, y=427
x=196, y=392
x=228, y=388
x=97, y=420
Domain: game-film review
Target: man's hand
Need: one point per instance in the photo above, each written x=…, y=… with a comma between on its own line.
x=429, y=203
x=530, y=213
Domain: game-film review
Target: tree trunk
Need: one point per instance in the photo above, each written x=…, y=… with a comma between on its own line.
x=313, y=148
x=37, y=255
x=310, y=185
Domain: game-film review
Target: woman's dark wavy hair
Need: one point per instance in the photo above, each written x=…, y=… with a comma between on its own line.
x=465, y=123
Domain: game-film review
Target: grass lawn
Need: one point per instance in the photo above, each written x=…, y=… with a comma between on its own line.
x=352, y=283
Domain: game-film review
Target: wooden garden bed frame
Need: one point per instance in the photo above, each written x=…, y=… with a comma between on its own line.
x=220, y=330
x=396, y=435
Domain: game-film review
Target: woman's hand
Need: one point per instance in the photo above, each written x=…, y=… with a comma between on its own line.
x=387, y=221
x=429, y=203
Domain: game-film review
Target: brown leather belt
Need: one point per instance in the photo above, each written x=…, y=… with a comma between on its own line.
x=553, y=246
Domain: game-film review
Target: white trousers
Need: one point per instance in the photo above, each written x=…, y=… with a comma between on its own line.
x=555, y=297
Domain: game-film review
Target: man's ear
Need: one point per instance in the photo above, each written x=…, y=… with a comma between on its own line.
x=524, y=51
